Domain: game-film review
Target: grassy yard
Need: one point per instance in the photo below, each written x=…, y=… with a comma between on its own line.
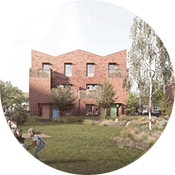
x=82, y=149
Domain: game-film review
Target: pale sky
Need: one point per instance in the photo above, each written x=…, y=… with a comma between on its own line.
x=97, y=27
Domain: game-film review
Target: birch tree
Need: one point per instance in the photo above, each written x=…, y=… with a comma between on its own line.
x=148, y=61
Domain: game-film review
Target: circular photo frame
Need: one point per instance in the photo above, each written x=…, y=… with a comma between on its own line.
x=87, y=87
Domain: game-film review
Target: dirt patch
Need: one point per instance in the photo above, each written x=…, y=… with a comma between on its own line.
x=40, y=135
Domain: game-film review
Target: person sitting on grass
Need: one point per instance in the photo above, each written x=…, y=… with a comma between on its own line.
x=37, y=141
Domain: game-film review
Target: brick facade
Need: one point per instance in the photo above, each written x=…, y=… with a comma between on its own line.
x=41, y=81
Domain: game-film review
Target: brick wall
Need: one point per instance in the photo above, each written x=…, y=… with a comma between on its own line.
x=40, y=87
x=39, y=92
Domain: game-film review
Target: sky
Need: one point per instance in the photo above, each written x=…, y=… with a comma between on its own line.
x=97, y=27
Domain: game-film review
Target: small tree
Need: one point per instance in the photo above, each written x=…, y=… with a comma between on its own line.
x=131, y=102
x=63, y=99
x=105, y=95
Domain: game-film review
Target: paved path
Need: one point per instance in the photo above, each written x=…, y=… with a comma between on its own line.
x=40, y=135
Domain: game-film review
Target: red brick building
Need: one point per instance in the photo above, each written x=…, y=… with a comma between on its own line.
x=82, y=71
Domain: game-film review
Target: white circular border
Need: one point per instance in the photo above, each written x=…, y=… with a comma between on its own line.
x=159, y=14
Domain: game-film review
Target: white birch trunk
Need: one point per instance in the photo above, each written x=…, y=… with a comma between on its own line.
x=150, y=97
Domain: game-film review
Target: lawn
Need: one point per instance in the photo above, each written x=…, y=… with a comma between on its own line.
x=82, y=149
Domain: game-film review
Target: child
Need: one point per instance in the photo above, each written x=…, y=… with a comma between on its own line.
x=9, y=122
x=22, y=143
x=13, y=126
x=18, y=134
x=37, y=141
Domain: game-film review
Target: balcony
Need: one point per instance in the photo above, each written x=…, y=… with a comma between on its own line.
x=40, y=73
x=87, y=94
x=117, y=73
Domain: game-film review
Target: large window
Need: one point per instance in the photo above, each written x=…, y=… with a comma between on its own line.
x=68, y=69
x=90, y=70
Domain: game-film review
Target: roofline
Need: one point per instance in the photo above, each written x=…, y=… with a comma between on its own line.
x=78, y=50
x=116, y=52
x=41, y=52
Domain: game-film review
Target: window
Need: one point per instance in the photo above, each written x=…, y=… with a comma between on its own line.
x=156, y=108
x=91, y=87
x=68, y=69
x=64, y=85
x=112, y=66
x=46, y=65
x=90, y=70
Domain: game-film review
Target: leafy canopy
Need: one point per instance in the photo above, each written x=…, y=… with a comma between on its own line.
x=148, y=58
x=105, y=95
x=10, y=94
x=62, y=98
x=131, y=102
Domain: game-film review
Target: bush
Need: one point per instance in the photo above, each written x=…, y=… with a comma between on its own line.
x=32, y=119
x=20, y=115
x=97, y=122
x=104, y=121
x=90, y=122
x=128, y=133
x=60, y=120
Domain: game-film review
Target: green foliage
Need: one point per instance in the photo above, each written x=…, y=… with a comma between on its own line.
x=62, y=98
x=20, y=115
x=166, y=107
x=126, y=134
x=105, y=95
x=32, y=119
x=131, y=102
x=157, y=97
x=148, y=59
x=10, y=95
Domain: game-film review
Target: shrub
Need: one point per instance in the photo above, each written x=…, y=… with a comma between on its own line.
x=104, y=121
x=20, y=115
x=60, y=120
x=126, y=133
x=90, y=122
x=32, y=119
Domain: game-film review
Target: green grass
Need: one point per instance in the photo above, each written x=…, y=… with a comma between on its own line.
x=82, y=149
